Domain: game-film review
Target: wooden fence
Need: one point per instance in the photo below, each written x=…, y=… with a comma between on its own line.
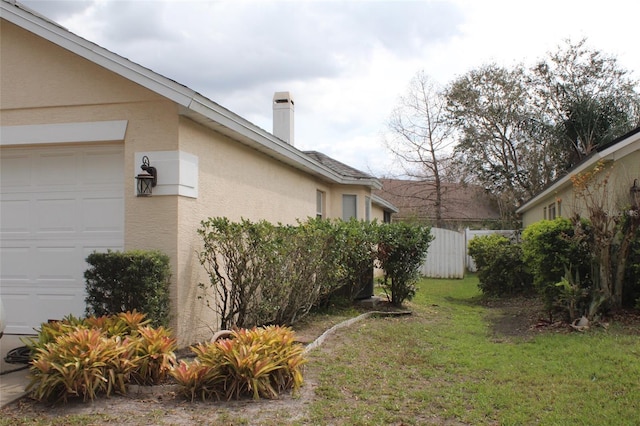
x=447, y=256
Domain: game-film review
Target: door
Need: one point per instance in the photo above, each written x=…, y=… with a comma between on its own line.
x=57, y=205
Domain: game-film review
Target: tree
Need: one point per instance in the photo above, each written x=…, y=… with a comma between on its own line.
x=522, y=128
x=501, y=141
x=421, y=137
x=587, y=98
x=612, y=232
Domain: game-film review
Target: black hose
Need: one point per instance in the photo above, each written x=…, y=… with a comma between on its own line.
x=20, y=355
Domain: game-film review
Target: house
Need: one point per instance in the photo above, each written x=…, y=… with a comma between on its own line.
x=79, y=121
x=463, y=206
x=621, y=161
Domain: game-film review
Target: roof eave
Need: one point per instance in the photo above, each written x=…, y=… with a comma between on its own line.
x=604, y=155
x=375, y=199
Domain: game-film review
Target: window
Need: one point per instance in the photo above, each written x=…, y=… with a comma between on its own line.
x=349, y=206
x=545, y=213
x=367, y=208
x=320, y=206
x=552, y=211
x=387, y=217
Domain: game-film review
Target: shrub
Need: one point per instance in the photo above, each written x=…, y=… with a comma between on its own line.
x=402, y=248
x=553, y=251
x=355, y=245
x=259, y=362
x=501, y=270
x=126, y=281
x=261, y=274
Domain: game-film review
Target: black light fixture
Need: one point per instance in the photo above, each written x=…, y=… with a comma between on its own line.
x=634, y=194
x=146, y=180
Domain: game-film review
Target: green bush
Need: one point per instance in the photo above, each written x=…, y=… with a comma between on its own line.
x=402, y=248
x=126, y=281
x=354, y=243
x=260, y=273
x=260, y=362
x=501, y=270
x=553, y=251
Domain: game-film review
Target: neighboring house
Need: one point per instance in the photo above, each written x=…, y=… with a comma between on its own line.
x=77, y=121
x=621, y=159
x=462, y=205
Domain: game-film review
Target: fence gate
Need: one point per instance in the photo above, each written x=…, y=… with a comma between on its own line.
x=446, y=255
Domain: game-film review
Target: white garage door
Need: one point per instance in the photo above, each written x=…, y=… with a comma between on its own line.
x=57, y=205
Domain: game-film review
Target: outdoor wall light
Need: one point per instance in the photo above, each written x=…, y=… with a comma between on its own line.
x=147, y=180
x=634, y=194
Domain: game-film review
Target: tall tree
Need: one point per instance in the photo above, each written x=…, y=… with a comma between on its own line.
x=501, y=141
x=589, y=99
x=421, y=137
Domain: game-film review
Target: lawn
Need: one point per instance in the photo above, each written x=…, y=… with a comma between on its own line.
x=444, y=364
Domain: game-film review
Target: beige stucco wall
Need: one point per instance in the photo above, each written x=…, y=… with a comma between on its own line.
x=621, y=171
x=234, y=182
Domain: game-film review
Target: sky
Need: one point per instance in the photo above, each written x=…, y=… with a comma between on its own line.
x=345, y=63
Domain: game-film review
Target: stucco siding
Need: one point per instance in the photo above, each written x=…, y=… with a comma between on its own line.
x=621, y=174
x=234, y=182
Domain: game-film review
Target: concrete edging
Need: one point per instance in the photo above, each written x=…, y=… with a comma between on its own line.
x=311, y=346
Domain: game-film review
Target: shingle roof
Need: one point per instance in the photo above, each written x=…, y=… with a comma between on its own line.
x=337, y=166
x=461, y=203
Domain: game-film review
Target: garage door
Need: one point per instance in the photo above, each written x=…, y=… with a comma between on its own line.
x=57, y=205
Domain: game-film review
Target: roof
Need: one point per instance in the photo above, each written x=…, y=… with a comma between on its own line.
x=613, y=150
x=338, y=167
x=191, y=103
x=461, y=203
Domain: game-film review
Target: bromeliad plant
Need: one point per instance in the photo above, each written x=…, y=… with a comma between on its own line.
x=86, y=357
x=259, y=362
x=82, y=363
x=152, y=353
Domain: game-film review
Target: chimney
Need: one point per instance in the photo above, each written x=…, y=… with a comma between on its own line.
x=283, y=116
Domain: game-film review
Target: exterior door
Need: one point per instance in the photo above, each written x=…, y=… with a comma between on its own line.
x=57, y=205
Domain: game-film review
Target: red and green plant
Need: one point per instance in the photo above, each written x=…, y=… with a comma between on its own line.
x=86, y=357
x=83, y=363
x=257, y=362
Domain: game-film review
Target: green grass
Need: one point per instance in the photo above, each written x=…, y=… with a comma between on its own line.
x=443, y=364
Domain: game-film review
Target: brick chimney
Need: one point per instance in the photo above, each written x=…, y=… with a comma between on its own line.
x=283, y=116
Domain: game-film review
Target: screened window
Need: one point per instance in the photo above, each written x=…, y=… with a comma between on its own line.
x=349, y=206
x=367, y=208
x=320, y=204
x=552, y=211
